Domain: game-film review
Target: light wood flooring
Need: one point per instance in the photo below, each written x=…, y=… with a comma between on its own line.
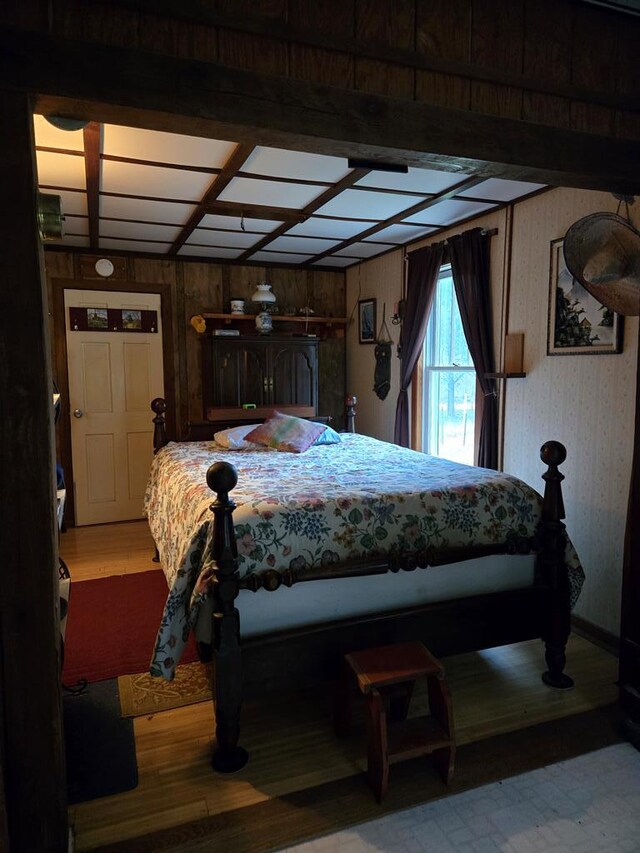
x=291, y=742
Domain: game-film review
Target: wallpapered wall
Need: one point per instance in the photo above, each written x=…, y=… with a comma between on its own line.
x=585, y=401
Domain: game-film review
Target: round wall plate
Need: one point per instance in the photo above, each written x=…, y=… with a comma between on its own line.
x=104, y=267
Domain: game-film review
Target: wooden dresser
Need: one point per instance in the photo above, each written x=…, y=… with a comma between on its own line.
x=262, y=371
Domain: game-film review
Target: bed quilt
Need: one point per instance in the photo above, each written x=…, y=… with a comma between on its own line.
x=361, y=498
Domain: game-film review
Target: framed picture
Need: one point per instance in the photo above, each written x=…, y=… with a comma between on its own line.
x=367, y=321
x=578, y=323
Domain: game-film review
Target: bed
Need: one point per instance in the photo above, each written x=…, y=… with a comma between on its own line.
x=399, y=545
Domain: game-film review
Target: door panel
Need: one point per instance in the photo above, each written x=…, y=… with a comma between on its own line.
x=294, y=375
x=113, y=376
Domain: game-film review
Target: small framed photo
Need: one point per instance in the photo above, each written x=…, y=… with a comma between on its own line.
x=97, y=318
x=367, y=321
x=578, y=323
x=131, y=319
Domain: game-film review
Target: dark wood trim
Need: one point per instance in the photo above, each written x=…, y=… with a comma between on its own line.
x=255, y=211
x=335, y=189
x=58, y=286
x=92, y=135
x=195, y=11
x=33, y=748
x=600, y=637
x=237, y=159
x=219, y=101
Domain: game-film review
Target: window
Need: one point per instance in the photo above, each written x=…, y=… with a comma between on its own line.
x=449, y=391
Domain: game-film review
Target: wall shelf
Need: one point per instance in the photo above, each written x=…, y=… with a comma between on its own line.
x=278, y=318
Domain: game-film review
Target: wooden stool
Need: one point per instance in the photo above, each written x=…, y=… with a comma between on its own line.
x=386, y=677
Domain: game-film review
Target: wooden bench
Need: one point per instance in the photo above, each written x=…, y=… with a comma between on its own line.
x=386, y=677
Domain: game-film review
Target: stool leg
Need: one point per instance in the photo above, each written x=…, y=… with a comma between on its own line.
x=441, y=708
x=342, y=702
x=444, y=760
x=400, y=701
x=378, y=760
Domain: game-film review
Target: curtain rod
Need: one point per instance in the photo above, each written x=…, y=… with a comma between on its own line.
x=486, y=232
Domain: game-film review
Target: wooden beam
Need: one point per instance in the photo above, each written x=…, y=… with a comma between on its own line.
x=92, y=135
x=230, y=169
x=196, y=11
x=32, y=748
x=348, y=181
x=397, y=218
x=210, y=100
x=255, y=211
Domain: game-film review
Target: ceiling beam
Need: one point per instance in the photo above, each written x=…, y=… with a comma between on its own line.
x=398, y=218
x=125, y=86
x=230, y=169
x=261, y=25
x=255, y=211
x=92, y=136
x=348, y=181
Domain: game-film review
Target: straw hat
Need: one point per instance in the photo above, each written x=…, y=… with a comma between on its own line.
x=602, y=252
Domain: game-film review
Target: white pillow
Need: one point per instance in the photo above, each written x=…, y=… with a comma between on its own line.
x=233, y=438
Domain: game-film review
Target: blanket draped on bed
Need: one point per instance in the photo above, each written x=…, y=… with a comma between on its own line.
x=361, y=498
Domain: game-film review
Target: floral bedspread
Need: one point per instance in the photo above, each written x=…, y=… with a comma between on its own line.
x=333, y=503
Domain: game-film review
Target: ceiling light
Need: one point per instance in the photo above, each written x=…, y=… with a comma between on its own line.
x=104, y=267
x=67, y=122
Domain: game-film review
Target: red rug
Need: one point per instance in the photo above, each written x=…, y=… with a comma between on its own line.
x=112, y=626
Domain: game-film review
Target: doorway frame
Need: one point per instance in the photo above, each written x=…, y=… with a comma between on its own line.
x=271, y=111
x=60, y=360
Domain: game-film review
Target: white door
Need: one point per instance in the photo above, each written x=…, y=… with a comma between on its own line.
x=113, y=376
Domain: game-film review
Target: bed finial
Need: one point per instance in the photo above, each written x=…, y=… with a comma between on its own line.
x=351, y=413
x=227, y=672
x=553, y=568
x=159, y=407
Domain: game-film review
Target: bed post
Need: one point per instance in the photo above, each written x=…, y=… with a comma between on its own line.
x=552, y=568
x=351, y=413
x=227, y=668
x=158, y=407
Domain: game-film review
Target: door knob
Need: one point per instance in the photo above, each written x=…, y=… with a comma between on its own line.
x=78, y=413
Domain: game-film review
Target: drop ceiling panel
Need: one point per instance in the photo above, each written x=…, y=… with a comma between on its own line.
x=134, y=245
x=427, y=181
x=233, y=223
x=295, y=164
x=116, y=207
x=77, y=225
x=364, y=204
x=61, y=170
x=449, y=211
x=154, y=181
x=307, y=245
x=279, y=258
x=210, y=252
x=364, y=250
x=72, y=202
x=49, y=136
x=270, y=193
x=138, y=231
x=235, y=239
x=340, y=229
x=497, y=189
x=400, y=233
x=165, y=147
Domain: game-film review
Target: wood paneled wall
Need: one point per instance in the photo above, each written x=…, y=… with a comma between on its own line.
x=557, y=62
x=206, y=286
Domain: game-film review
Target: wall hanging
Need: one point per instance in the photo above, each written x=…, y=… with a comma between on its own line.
x=367, y=321
x=382, y=375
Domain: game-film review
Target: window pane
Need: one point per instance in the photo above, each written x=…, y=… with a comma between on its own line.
x=451, y=414
x=445, y=326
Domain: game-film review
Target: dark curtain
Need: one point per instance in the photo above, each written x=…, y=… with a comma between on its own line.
x=469, y=256
x=422, y=275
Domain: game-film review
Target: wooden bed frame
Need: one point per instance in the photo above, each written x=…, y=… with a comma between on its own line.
x=303, y=656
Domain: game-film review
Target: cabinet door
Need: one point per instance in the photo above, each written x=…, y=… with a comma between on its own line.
x=294, y=375
x=237, y=374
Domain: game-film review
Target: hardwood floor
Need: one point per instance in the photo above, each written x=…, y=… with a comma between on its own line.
x=291, y=741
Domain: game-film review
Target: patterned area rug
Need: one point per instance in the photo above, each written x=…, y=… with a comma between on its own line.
x=143, y=694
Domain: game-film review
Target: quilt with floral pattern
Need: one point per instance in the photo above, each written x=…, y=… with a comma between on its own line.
x=361, y=498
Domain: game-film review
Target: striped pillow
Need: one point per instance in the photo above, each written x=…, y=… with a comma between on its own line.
x=284, y=432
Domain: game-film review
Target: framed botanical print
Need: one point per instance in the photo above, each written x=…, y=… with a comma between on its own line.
x=367, y=321
x=578, y=323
